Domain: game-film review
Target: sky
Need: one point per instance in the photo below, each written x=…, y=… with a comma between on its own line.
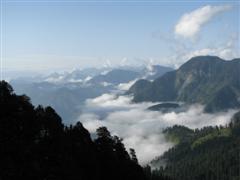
x=42, y=36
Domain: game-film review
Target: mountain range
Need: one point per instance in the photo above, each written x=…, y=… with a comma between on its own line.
x=66, y=92
x=208, y=80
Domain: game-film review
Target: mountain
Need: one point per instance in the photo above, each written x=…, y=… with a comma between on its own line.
x=236, y=119
x=152, y=72
x=66, y=98
x=207, y=80
x=115, y=76
x=35, y=144
x=202, y=154
x=76, y=75
x=164, y=107
x=67, y=92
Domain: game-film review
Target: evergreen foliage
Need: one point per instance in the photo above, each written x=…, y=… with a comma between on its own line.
x=35, y=144
x=210, y=153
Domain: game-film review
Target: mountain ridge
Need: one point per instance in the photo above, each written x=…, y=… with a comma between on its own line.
x=207, y=80
x=210, y=152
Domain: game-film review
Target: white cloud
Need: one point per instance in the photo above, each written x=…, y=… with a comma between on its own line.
x=191, y=23
x=105, y=84
x=108, y=100
x=88, y=78
x=126, y=86
x=105, y=72
x=142, y=129
x=225, y=52
x=124, y=61
x=107, y=64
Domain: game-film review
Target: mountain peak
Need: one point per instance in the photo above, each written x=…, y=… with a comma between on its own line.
x=206, y=58
x=207, y=80
x=201, y=61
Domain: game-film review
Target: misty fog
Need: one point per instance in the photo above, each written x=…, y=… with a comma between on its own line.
x=140, y=128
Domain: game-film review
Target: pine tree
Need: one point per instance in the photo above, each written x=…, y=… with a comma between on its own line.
x=133, y=155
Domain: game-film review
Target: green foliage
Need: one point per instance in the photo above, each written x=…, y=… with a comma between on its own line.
x=218, y=133
x=178, y=134
x=208, y=153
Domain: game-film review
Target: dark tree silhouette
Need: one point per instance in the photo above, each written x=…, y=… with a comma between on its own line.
x=133, y=155
x=35, y=144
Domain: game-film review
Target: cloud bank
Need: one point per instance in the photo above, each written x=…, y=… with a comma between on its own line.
x=142, y=129
x=191, y=23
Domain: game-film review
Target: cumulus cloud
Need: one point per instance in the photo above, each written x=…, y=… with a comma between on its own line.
x=141, y=129
x=191, y=23
x=226, y=52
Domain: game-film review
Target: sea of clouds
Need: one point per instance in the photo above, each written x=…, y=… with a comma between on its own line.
x=140, y=128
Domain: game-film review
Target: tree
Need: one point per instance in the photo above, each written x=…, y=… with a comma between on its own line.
x=5, y=89
x=103, y=132
x=133, y=155
x=120, y=149
x=35, y=144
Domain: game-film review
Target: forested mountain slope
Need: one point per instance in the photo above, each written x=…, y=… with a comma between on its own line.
x=34, y=144
x=207, y=80
x=202, y=154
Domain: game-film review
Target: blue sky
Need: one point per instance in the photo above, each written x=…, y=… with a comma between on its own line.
x=48, y=36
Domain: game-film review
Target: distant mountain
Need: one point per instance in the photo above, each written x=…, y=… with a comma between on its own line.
x=66, y=92
x=105, y=75
x=115, y=76
x=208, y=80
x=152, y=72
x=66, y=98
x=164, y=107
x=75, y=75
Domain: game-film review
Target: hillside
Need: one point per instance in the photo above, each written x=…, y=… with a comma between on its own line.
x=164, y=107
x=115, y=76
x=35, y=144
x=202, y=154
x=207, y=80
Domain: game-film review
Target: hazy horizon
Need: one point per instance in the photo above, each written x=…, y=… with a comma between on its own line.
x=53, y=36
